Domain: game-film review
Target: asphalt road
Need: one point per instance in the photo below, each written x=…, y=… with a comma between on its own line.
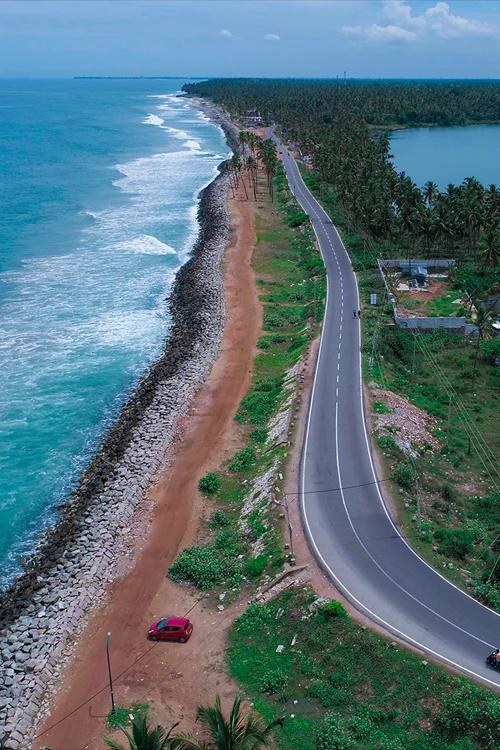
x=344, y=513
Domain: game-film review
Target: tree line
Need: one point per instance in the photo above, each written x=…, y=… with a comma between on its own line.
x=342, y=127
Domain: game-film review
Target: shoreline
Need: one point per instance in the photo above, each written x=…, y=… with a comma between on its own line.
x=209, y=436
x=91, y=545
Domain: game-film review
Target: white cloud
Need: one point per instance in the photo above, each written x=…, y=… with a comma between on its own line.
x=437, y=21
x=226, y=34
x=376, y=33
x=272, y=37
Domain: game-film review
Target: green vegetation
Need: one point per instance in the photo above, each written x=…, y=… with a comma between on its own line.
x=209, y=484
x=237, y=732
x=432, y=370
x=346, y=688
x=140, y=736
x=292, y=288
x=382, y=214
x=122, y=717
x=340, y=126
x=305, y=104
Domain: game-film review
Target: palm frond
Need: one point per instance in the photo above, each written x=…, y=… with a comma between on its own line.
x=186, y=742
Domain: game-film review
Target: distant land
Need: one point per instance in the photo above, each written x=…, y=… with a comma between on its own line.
x=135, y=78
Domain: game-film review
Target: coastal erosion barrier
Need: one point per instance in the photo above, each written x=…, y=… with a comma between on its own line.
x=44, y=610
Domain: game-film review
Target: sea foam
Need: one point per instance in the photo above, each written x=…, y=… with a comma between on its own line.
x=145, y=244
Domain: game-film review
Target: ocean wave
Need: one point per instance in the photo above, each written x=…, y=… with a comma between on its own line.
x=145, y=244
x=153, y=120
x=194, y=145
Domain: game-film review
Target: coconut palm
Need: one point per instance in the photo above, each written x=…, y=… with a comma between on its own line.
x=491, y=253
x=237, y=733
x=483, y=322
x=142, y=737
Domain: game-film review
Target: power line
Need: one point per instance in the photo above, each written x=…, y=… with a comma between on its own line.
x=141, y=656
x=336, y=489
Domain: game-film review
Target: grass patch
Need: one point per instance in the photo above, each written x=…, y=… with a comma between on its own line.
x=122, y=717
x=349, y=689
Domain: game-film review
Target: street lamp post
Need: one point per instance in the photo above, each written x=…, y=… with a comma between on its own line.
x=108, y=639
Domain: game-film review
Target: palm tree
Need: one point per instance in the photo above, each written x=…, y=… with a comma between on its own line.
x=491, y=253
x=142, y=737
x=239, y=733
x=431, y=192
x=483, y=322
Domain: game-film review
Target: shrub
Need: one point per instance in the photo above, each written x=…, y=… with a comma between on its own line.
x=218, y=520
x=203, y=566
x=296, y=219
x=330, y=611
x=264, y=342
x=227, y=542
x=380, y=408
x=448, y=493
x=260, y=401
x=256, y=566
x=455, y=542
x=487, y=594
x=471, y=710
x=273, y=681
x=387, y=443
x=259, y=435
x=491, y=350
x=255, y=523
x=254, y=619
x=333, y=734
x=242, y=460
x=209, y=484
x=403, y=475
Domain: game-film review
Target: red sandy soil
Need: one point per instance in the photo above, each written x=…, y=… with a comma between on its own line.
x=436, y=289
x=172, y=678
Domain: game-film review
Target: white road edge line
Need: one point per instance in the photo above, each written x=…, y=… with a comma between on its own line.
x=343, y=588
x=436, y=572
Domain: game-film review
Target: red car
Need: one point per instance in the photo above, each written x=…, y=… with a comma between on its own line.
x=171, y=629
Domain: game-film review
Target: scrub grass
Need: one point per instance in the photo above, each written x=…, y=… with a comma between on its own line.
x=291, y=282
x=342, y=687
x=455, y=496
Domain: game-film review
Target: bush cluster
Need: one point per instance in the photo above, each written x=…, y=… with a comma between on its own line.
x=254, y=619
x=330, y=611
x=273, y=681
x=455, y=542
x=243, y=459
x=203, y=566
x=209, y=484
x=256, y=566
x=260, y=402
x=218, y=520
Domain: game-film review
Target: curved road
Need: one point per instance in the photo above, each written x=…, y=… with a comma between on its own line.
x=343, y=510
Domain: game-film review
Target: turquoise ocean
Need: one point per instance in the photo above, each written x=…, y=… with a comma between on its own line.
x=99, y=182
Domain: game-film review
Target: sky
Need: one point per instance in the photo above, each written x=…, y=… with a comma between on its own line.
x=273, y=38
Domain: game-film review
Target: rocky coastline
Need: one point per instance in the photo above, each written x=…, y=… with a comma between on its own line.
x=48, y=605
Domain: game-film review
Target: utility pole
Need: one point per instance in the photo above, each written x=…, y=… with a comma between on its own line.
x=108, y=639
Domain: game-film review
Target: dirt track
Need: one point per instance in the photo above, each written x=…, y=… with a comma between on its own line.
x=168, y=677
